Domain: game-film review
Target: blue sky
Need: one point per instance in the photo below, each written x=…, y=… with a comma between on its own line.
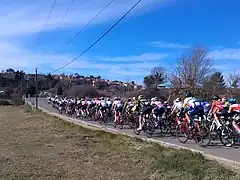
x=155, y=33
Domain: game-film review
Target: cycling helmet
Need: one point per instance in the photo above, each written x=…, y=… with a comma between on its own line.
x=109, y=99
x=232, y=101
x=134, y=98
x=140, y=97
x=178, y=100
x=152, y=99
x=188, y=94
x=215, y=98
x=224, y=99
x=129, y=99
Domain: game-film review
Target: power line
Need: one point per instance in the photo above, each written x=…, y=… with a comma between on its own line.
x=104, y=34
x=100, y=12
x=66, y=12
x=46, y=22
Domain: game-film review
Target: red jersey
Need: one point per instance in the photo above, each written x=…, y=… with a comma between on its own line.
x=234, y=107
x=217, y=106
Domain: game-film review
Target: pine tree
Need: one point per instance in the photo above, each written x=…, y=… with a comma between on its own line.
x=215, y=83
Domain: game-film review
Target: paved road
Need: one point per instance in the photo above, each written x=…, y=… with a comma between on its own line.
x=216, y=149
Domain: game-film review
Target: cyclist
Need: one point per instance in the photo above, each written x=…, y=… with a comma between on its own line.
x=192, y=106
x=158, y=108
x=177, y=106
x=145, y=109
x=117, y=108
x=234, y=108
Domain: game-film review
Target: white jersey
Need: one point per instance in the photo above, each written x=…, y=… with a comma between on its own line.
x=89, y=102
x=115, y=102
x=103, y=103
x=118, y=103
x=109, y=103
x=178, y=105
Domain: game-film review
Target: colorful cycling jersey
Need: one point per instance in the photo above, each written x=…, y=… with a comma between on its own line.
x=234, y=107
x=89, y=102
x=103, y=103
x=78, y=102
x=109, y=103
x=206, y=106
x=158, y=104
x=130, y=103
x=117, y=104
x=217, y=106
x=84, y=103
x=190, y=102
x=178, y=105
x=98, y=102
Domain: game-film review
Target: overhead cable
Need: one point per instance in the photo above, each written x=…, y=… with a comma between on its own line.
x=101, y=37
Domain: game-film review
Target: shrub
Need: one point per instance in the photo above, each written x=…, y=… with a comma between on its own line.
x=84, y=91
x=4, y=102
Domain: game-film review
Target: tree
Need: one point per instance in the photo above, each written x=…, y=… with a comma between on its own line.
x=10, y=70
x=158, y=74
x=156, y=77
x=191, y=70
x=59, y=90
x=148, y=81
x=233, y=80
x=215, y=84
x=49, y=81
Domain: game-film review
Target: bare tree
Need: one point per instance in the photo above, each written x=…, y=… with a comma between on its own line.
x=158, y=73
x=157, y=76
x=233, y=80
x=191, y=70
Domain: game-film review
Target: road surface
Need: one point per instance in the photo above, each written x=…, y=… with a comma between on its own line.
x=232, y=153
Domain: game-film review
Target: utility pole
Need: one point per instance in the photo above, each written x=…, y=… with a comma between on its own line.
x=2, y=78
x=36, y=83
x=21, y=76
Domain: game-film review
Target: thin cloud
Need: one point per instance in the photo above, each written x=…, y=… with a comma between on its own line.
x=27, y=18
x=21, y=58
x=135, y=58
x=227, y=53
x=21, y=20
x=168, y=45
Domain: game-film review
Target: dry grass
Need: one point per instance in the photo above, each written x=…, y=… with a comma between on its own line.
x=36, y=146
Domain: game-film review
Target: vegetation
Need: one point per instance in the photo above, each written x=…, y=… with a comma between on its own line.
x=192, y=72
x=37, y=146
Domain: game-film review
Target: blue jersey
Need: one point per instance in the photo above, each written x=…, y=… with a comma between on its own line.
x=206, y=106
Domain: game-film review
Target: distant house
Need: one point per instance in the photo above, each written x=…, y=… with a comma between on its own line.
x=100, y=84
x=9, y=75
x=163, y=85
x=137, y=87
x=238, y=84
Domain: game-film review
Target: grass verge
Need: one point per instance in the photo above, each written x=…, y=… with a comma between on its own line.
x=37, y=146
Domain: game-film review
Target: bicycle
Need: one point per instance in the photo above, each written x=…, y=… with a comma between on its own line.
x=198, y=132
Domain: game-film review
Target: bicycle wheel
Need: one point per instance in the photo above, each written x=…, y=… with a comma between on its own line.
x=149, y=128
x=227, y=136
x=136, y=131
x=182, y=130
x=202, y=136
x=165, y=126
